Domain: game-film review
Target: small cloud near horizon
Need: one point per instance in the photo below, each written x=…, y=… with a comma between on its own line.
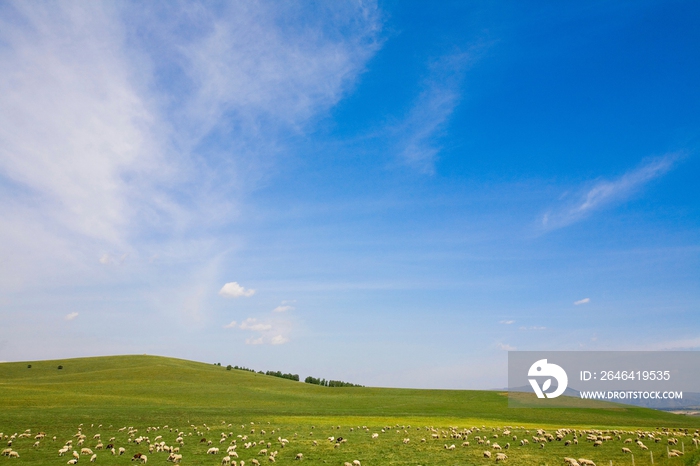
x=234, y=290
x=507, y=322
x=71, y=316
x=231, y=325
x=506, y=347
x=283, y=308
x=582, y=301
x=279, y=340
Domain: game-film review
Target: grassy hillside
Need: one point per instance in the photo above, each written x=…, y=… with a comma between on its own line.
x=194, y=407
x=125, y=387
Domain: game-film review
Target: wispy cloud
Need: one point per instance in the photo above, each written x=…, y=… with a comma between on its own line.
x=506, y=347
x=71, y=316
x=105, y=111
x=234, y=290
x=420, y=130
x=278, y=340
x=582, y=301
x=272, y=332
x=605, y=193
x=283, y=308
x=533, y=327
x=507, y=322
x=253, y=324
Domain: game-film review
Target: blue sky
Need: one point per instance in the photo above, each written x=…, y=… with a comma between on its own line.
x=390, y=193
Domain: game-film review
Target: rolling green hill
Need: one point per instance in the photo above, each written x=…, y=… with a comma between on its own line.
x=125, y=388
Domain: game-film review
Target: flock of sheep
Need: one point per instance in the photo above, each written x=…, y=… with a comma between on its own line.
x=256, y=445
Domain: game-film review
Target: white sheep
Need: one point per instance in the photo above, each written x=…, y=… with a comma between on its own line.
x=487, y=454
x=501, y=457
x=226, y=460
x=299, y=456
x=93, y=458
x=213, y=451
x=73, y=461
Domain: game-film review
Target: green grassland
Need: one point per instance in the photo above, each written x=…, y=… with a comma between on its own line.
x=105, y=394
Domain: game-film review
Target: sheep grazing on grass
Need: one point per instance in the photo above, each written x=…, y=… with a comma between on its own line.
x=213, y=451
x=501, y=457
x=586, y=462
x=93, y=458
x=121, y=451
x=375, y=435
x=626, y=450
x=487, y=454
x=73, y=461
x=299, y=456
x=76, y=455
x=226, y=460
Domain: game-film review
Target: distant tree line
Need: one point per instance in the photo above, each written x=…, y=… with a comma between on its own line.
x=241, y=368
x=294, y=377
x=330, y=383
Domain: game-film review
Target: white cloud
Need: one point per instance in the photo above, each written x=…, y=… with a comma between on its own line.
x=272, y=332
x=279, y=340
x=231, y=325
x=606, y=193
x=283, y=308
x=506, y=347
x=533, y=327
x=254, y=341
x=71, y=316
x=507, y=322
x=419, y=131
x=252, y=324
x=102, y=105
x=234, y=290
x=582, y=301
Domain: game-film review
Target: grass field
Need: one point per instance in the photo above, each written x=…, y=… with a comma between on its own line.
x=108, y=393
